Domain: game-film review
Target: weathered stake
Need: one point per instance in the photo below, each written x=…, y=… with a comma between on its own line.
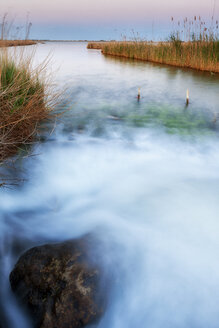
x=139, y=94
x=187, y=97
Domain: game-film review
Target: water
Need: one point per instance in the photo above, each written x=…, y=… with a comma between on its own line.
x=142, y=177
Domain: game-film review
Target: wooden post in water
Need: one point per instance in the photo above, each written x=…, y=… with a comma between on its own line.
x=187, y=97
x=139, y=94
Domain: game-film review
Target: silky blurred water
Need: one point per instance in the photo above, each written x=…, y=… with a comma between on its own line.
x=142, y=177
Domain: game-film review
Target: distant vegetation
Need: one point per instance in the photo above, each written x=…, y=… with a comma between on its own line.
x=11, y=35
x=16, y=43
x=97, y=45
x=191, y=44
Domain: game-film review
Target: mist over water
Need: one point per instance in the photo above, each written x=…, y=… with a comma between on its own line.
x=143, y=178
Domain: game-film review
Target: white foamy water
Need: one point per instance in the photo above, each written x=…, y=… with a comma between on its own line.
x=149, y=196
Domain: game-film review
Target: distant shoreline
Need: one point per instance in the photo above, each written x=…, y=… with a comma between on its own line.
x=14, y=43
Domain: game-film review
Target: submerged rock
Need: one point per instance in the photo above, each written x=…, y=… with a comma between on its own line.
x=59, y=285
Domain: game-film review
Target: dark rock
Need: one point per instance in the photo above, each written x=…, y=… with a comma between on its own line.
x=59, y=285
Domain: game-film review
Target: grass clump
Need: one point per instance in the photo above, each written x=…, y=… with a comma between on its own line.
x=24, y=102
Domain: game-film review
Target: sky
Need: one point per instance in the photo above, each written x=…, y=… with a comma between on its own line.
x=103, y=19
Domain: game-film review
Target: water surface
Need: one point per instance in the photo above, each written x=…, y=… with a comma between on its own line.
x=143, y=177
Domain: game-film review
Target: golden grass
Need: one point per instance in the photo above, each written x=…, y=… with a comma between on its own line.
x=24, y=101
x=95, y=45
x=200, y=55
x=15, y=43
x=192, y=44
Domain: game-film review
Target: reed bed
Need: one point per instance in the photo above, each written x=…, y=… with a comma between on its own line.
x=24, y=101
x=16, y=43
x=192, y=46
x=95, y=45
x=197, y=55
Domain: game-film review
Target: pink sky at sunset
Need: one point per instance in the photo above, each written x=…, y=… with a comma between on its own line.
x=107, y=12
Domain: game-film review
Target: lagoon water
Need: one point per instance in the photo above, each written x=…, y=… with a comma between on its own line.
x=142, y=177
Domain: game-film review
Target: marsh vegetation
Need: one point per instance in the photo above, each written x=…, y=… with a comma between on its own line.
x=23, y=101
x=12, y=35
x=191, y=44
